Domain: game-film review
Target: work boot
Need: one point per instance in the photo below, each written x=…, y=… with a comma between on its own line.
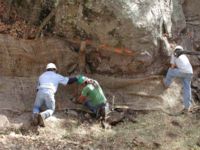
x=35, y=119
x=186, y=111
x=41, y=120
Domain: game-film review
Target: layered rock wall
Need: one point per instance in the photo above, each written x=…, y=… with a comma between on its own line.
x=125, y=39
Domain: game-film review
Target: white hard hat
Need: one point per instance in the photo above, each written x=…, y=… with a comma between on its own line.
x=179, y=47
x=51, y=66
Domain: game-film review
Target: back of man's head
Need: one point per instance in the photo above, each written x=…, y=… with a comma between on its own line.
x=178, y=51
x=51, y=67
x=179, y=48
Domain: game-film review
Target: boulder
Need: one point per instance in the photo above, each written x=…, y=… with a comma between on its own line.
x=4, y=122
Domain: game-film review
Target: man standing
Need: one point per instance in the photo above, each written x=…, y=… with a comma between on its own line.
x=46, y=89
x=181, y=68
x=92, y=97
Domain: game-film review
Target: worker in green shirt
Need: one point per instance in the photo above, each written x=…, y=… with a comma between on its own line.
x=92, y=97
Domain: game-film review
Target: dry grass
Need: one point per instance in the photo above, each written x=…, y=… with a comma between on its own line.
x=154, y=130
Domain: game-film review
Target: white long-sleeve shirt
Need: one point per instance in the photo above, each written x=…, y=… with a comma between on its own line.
x=182, y=62
x=49, y=81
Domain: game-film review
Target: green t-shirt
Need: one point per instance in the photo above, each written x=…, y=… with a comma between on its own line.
x=94, y=94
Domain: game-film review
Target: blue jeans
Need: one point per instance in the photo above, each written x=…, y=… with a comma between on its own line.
x=46, y=98
x=95, y=109
x=186, y=79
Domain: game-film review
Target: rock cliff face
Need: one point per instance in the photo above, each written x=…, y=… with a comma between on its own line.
x=138, y=26
x=27, y=58
x=141, y=34
x=124, y=39
x=147, y=28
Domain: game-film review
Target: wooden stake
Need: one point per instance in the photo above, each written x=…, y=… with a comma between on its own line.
x=82, y=57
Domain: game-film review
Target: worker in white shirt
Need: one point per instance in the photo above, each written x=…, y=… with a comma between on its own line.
x=46, y=89
x=182, y=69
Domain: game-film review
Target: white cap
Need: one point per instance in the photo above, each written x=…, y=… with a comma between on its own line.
x=51, y=66
x=179, y=47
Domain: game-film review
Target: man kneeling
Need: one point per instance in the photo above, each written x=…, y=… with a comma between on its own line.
x=93, y=98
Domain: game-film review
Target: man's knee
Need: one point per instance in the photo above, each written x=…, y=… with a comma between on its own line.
x=36, y=109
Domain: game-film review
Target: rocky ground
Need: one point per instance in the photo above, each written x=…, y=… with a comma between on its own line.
x=149, y=130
